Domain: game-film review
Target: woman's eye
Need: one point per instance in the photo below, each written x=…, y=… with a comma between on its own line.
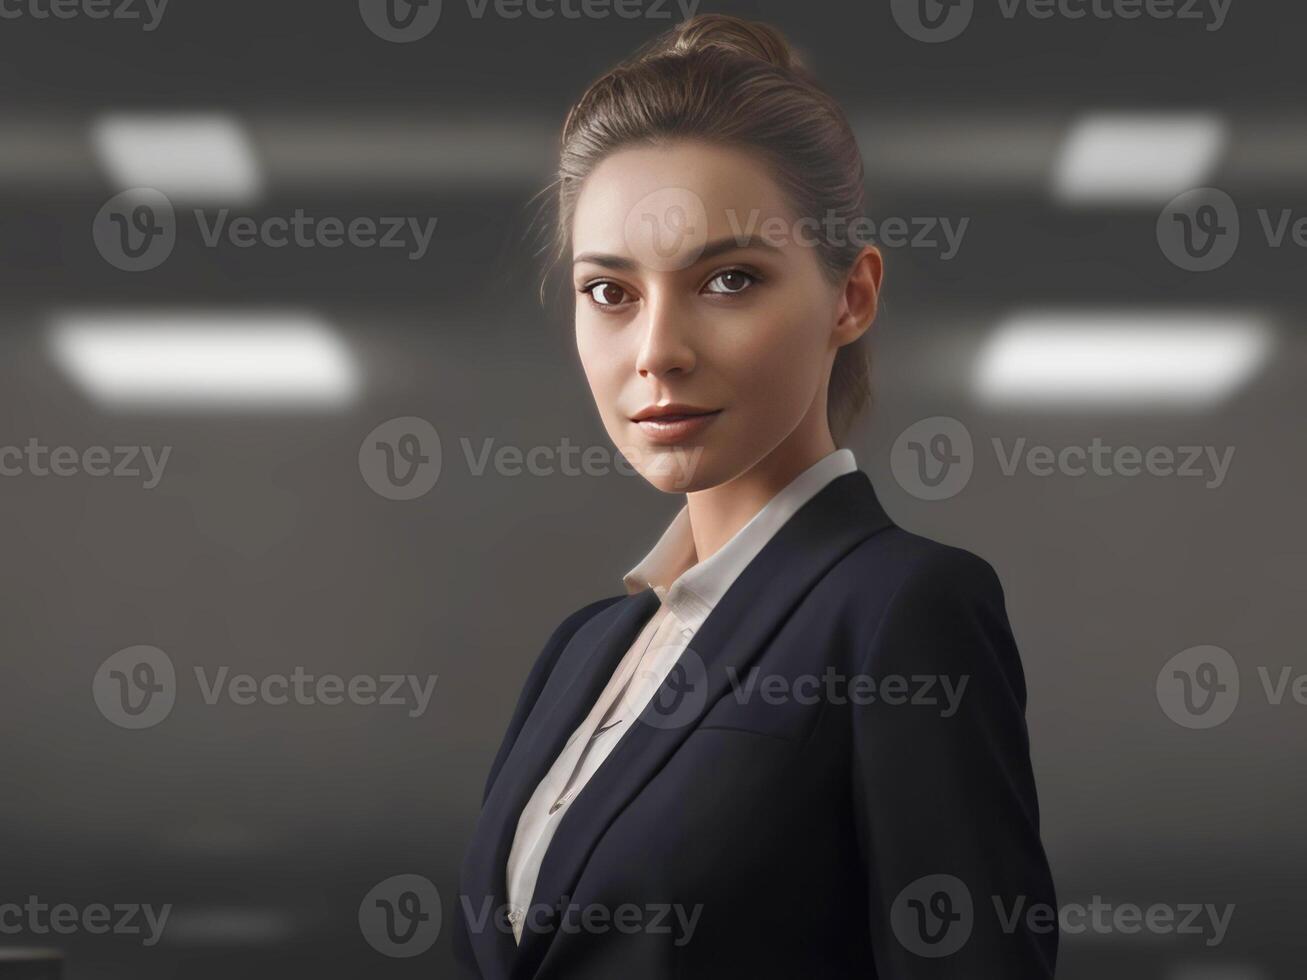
x=607, y=294
x=730, y=281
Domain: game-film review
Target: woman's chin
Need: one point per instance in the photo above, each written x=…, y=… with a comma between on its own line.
x=673, y=469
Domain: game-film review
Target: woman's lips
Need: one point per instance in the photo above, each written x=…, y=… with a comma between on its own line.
x=670, y=429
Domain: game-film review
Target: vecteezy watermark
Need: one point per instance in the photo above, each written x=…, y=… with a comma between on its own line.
x=121, y=462
x=593, y=918
x=137, y=688
x=1199, y=687
x=935, y=916
x=411, y=691
x=932, y=233
x=402, y=458
x=674, y=697
x=675, y=694
x=34, y=917
x=136, y=230
x=400, y=917
x=667, y=230
x=147, y=13
x=405, y=21
x=1209, y=921
x=935, y=21
x=1200, y=230
x=942, y=692
x=933, y=459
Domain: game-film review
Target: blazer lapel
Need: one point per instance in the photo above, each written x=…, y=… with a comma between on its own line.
x=832, y=523
x=552, y=721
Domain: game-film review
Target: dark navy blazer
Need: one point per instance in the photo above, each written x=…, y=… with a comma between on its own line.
x=833, y=782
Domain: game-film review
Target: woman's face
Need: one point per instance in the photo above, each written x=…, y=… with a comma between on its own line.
x=695, y=290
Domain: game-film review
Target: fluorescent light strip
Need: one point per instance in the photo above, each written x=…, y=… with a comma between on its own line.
x=1137, y=159
x=193, y=159
x=1120, y=358
x=205, y=360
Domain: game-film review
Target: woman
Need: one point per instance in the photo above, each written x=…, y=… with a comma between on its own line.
x=796, y=746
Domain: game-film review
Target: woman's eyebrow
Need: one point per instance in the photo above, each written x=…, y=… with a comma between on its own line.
x=710, y=251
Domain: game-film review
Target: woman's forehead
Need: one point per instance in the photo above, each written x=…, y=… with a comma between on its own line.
x=642, y=202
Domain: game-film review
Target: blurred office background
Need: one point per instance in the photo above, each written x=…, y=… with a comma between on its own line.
x=1068, y=313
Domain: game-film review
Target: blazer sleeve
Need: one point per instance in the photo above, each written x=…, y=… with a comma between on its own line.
x=944, y=794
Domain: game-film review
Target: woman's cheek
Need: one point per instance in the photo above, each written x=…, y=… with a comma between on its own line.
x=776, y=360
x=599, y=362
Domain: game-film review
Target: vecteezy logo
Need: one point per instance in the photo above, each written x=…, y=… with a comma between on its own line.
x=1199, y=230
x=400, y=917
x=933, y=916
x=400, y=459
x=667, y=229
x=136, y=687
x=933, y=459
x=681, y=696
x=136, y=230
x=932, y=21
x=1199, y=687
x=400, y=21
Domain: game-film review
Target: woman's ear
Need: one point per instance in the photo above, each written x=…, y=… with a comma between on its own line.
x=858, y=303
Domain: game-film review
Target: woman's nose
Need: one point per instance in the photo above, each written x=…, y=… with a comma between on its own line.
x=665, y=343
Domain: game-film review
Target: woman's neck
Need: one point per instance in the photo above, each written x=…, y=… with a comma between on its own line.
x=716, y=514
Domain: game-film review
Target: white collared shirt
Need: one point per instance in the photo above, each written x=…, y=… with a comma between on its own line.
x=688, y=589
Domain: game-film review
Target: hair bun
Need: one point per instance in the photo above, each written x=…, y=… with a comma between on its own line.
x=744, y=37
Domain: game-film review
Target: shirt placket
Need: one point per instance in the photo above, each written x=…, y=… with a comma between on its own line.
x=597, y=726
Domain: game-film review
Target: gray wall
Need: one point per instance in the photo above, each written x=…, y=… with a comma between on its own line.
x=262, y=548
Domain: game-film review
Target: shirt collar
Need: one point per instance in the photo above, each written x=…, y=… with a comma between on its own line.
x=691, y=588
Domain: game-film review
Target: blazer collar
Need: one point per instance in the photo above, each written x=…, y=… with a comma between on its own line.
x=692, y=588
x=761, y=597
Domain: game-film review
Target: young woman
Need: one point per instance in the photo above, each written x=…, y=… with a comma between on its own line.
x=796, y=746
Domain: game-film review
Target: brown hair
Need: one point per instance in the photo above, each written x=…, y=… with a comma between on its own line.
x=737, y=82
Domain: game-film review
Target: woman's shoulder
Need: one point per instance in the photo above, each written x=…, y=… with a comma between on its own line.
x=897, y=564
x=547, y=660
x=916, y=604
x=576, y=620
x=572, y=624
